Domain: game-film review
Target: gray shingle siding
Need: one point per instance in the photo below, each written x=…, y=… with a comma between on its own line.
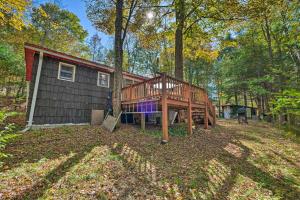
x=61, y=101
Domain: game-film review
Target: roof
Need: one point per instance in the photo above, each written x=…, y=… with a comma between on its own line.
x=31, y=49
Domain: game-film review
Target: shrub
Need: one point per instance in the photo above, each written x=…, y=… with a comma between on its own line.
x=7, y=133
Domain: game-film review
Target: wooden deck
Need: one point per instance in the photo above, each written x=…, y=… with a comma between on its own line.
x=160, y=93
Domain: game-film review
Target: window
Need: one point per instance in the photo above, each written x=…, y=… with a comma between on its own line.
x=66, y=72
x=127, y=82
x=103, y=79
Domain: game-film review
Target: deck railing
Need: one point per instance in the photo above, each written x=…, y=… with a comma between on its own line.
x=175, y=90
x=144, y=90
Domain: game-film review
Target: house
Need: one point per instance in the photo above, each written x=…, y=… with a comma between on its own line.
x=63, y=89
x=230, y=111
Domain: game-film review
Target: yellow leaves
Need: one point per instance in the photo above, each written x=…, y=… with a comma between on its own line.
x=197, y=47
x=17, y=23
x=12, y=12
x=205, y=54
x=229, y=43
x=42, y=12
x=1, y=16
x=214, y=54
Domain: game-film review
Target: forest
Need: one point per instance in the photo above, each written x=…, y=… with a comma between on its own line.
x=244, y=53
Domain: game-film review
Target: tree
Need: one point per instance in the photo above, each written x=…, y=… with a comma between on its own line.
x=191, y=15
x=118, y=18
x=288, y=103
x=11, y=68
x=180, y=17
x=96, y=48
x=118, y=58
x=58, y=29
x=263, y=63
x=12, y=13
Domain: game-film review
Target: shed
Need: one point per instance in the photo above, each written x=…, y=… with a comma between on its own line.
x=230, y=111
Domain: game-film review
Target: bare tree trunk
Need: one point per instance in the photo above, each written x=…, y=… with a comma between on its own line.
x=236, y=98
x=259, y=106
x=263, y=104
x=267, y=34
x=118, y=59
x=246, y=104
x=245, y=98
x=219, y=100
x=8, y=87
x=251, y=99
x=267, y=103
x=43, y=39
x=179, y=9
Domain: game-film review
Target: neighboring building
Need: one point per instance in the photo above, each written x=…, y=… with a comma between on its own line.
x=230, y=111
x=65, y=89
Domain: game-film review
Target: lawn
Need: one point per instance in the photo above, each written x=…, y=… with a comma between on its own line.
x=230, y=161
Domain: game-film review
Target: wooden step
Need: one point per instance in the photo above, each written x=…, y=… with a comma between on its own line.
x=201, y=111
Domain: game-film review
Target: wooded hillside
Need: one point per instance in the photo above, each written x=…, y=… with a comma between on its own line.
x=243, y=52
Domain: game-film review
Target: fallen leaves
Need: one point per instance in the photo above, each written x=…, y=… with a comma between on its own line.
x=227, y=162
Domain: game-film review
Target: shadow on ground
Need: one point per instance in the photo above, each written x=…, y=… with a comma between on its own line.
x=205, y=165
x=33, y=146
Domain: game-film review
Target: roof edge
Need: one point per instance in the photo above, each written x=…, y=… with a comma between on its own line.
x=78, y=60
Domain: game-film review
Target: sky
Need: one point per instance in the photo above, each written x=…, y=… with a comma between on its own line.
x=78, y=8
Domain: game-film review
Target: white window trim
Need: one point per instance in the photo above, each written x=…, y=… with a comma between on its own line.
x=108, y=75
x=124, y=78
x=68, y=65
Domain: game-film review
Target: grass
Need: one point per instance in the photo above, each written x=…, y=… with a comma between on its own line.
x=291, y=132
x=230, y=161
x=174, y=130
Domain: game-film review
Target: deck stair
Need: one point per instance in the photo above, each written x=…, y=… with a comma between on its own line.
x=198, y=116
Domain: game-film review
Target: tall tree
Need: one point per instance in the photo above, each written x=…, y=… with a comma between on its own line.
x=118, y=18
x=118, y=58
x=96, y=48
x=58, y=29
x=192, y=16
x=180, y=17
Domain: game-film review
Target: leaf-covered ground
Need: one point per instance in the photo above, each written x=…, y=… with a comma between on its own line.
x=230, y=161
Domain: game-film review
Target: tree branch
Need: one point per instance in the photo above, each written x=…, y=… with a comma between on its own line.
x=211, y=17
x=132, y=7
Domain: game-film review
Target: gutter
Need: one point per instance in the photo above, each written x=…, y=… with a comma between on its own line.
x=27, y=94
x=36, y=86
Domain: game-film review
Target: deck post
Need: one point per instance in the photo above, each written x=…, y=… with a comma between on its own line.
x=143, y=121
x=190, y=117
x=205, y=117
x=164, y=104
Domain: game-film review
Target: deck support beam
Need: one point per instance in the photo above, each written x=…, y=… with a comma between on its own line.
x=164, y=104
x=190, y=117
x=189, y=111
x=143, y=121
